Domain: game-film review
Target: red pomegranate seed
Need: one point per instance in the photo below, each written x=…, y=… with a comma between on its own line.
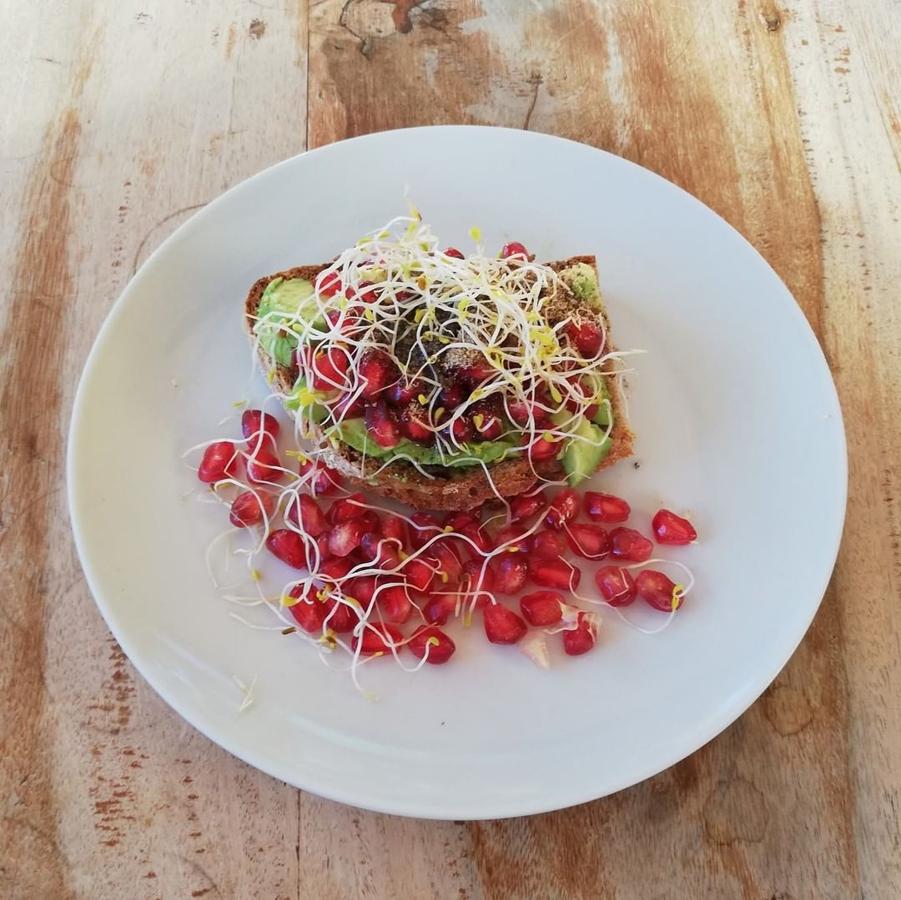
x=590, y=541
x=220, y=460
x=629, y=544
x=288, y=546
x=395, y=604
x=334, y=568
x=255, y=420
x=328, y=285
x=360, y=293
x=502, y=625
x=309, y=612
x=395, y=529
x=554, y=573
x=382, y=425
x=586, y=337
x=479, y=536
x=616, y=585
x=439, y=608
x=376, y=370
x=347, y=508
x=414, y=424
x=524, y=413
x=432, y=643
x=449, y=566
x=450, y=396
x=564, y=508
x=476, y=372
x=329, y=369
x=458, y=521
x=548, y=545
x=542, y=608
x=340, y=617
x=248, y=507
x=486, y=422
x=312, y=518
x=347, y=406
x=515, y=250
x=377, y=638
x=672, y=529
x=379, y=551
x=402, y=392
x=478, y=579
x=582, y=638
x=323, y=480
x=371, y=520
x=658, y=590
x=453, y=253
x=344, y=537
x=540, y=449
x=324, y=552
x=527, y=505
x=426, y=528
x=419, y=573
x=461, y=430
x=513, y=534
x=362, y=588
x=510, y=574
x=606, y=507
x=264, y=467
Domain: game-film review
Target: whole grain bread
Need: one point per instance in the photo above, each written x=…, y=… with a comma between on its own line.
x=447, y=489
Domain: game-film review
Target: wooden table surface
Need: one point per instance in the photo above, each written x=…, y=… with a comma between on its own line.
x=122, y=118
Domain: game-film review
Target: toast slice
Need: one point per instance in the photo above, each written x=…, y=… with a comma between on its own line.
x=447, y=488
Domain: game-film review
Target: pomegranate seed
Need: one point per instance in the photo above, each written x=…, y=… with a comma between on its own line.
x=312, y=519
x=376, y=370
x=414, y=424
x=515, y=250
x=590, y=541
x=616, y=585
x=329, y=285
x=340, y=617
x=403, y=392
x=513, y=535
x=453, y=253
x=479, y=536
x=459, y=521
x=382, y=425
x=247, y=508
x=419, y=573
x=344, y=537
x=672, y=529
x=322, y=546
x=288, y=546
x=426, y=528
x=308, y=612
x=502, y=625
x=334, y=568
x=542, y=608
x=264, y=466
x=658, y=590
x=449, y=566
x=526, y=505
x=486, y=421
x=371, y=520
x=323, y=479
x=523, y=413
x=362, y=588
x=606, y=507
x=478, y=579
x=451, y=396
x=586, y=337
x=582, y=638
x=461, y=430
x=347, y=508
x=379, y=551
x=554, y=573
x=395, y=604
x=564, y=507
x=431, y=643
x=360, y=293
x=476, y=372
x=510, y=575
x=395, y=529
x=377, y=638
x=629, y=544
x=438, y=608
x=548, y=545
x=255, y=420
x=220, y=460
x=347, y=406
x=329, y=370
x=540, y=449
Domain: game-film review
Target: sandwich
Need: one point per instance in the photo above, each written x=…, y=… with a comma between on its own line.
x=439, y=380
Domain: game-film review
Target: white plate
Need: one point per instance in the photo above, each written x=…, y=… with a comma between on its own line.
x=737, y=418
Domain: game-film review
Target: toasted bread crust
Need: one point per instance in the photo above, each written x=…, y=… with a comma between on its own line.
x=457, y=489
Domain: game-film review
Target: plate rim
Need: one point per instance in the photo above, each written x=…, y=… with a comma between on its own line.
x=680, y=749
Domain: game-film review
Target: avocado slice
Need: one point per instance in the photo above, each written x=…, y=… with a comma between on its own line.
x=291, y=301
x=582, y=280
x=582, y=457
x=353, y=433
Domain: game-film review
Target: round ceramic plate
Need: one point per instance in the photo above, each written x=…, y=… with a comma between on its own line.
x=737, y=421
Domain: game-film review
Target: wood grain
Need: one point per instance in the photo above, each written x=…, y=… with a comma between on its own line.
x=783, y=117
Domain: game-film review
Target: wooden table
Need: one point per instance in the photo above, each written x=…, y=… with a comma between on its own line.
x=122, y=118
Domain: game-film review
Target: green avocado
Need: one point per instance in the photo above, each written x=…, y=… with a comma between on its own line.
x=582, y=457
x=310, y=402
x=604, y=415
x=292, y=300
x=582, y=280
x=353, y=433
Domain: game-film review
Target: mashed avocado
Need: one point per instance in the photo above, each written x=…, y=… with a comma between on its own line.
x=582, y=280
x=290, y=299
